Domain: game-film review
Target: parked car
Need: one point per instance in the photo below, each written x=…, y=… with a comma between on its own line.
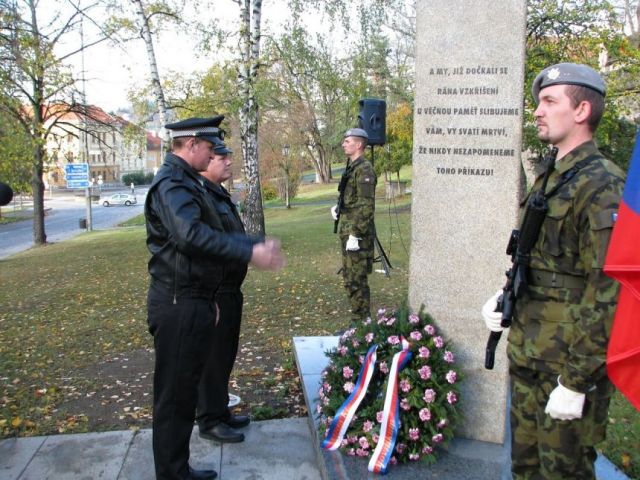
x=120, y=199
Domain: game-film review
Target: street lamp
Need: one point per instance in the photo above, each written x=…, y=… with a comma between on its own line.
x=285, y=154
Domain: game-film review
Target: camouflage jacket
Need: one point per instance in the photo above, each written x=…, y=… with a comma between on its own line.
x=358, y=203
x=563, y=321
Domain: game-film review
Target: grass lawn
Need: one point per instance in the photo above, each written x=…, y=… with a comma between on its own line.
x=75, y=354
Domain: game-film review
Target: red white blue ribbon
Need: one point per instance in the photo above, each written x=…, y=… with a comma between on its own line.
x=391, y=414
x=345, y=413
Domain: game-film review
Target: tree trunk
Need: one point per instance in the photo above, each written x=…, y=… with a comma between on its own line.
x=158, y=93
x=39, y=235
x=253, y=213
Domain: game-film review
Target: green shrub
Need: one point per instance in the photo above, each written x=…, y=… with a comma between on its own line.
x=137, y=178
x=269, y=192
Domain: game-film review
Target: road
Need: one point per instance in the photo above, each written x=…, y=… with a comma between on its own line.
x=62, y=221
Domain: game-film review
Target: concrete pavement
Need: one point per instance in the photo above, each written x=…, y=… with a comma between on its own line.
x=272, y=450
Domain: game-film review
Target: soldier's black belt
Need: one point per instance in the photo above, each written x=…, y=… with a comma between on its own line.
x=544, y=278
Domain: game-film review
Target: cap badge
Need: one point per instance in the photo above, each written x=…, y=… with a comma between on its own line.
x=553, y=74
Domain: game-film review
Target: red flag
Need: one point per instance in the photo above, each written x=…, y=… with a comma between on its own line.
x=623, y=264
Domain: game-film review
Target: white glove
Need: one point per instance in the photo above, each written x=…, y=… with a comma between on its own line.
x=492, y=318
x=334, y=212
x=565, y=404
x=352, y=244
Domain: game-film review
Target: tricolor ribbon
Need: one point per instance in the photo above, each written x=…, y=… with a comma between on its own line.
x=345, y=413
x=391, y=414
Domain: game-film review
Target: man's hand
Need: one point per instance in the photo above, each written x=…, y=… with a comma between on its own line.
x=268, y=256
x=492, y=318
x=352, y=244
x=334, y=212
x=565, y=404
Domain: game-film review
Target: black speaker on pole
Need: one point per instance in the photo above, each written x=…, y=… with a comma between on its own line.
x=372, y=119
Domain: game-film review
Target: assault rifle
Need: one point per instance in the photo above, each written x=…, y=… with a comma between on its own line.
x=519, y=247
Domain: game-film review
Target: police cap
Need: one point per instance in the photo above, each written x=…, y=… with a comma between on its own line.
x=221, y=148
x=205, y=128
x=568, y=74
x=356, y=132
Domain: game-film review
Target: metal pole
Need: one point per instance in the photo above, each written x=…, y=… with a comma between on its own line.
x=87, y=193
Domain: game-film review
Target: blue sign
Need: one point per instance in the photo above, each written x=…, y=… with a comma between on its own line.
x=77, y=175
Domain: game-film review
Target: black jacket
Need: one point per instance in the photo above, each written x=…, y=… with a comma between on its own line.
x=185, y=233
x=234, y=271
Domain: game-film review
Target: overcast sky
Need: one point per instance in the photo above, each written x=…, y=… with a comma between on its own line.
x=111, y=71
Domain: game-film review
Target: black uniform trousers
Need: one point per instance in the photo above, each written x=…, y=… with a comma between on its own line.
x=183, y=333
x=213, y=394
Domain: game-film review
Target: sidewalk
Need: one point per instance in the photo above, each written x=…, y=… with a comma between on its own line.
x=272, y=450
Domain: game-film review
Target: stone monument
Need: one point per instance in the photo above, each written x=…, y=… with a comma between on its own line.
x=466, y=183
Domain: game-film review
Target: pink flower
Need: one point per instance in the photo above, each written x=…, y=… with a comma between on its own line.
x=413, y=319
x=355, y=343
x=404, y=404
x=351, y=452
x=427, y=450
x=437, y=438
x=348, y=387
x=367, y=426
x=423, y=352
x=344, y=443
x=352, y=439
x=438, y=341
x=375, y=437
x=391, y=321
x=429, y=329
x=384, y=368
x=416, y=335
x=379, y=416
x=325, y=401
x=452, y=397
x=425, y=372
x=400, y=447
x=393, y=340
x=448, y=356
x=429, y=395
x=367, y=321
x=405, y=385
x=442, y=423
x=342, y=350
x=414, y=434
x=347, y=372
x=361, y=452
x=363, y=442
x=393, y=461
x=381, y=311
x=369, y=337
x=414, y=456
x=451, y=376
x=327, y=387
x=319, y=408
x=360, y=359
x=425, y=414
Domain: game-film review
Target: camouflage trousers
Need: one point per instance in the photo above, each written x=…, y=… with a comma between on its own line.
x=544, y=448
x=356, y=266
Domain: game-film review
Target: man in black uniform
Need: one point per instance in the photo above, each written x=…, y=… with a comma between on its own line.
x=215, y=421
x=189, y=249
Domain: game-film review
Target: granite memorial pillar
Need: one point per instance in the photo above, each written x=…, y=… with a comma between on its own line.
x=466, y=183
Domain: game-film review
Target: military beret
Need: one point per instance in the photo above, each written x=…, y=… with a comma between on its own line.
x=206, y=128
x=568, y=74
x=356, y=132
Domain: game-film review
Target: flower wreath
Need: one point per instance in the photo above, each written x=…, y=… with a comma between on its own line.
x=422, y=415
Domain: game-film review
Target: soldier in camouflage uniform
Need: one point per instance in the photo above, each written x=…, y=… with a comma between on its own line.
x=557, y=344
x=356, y=208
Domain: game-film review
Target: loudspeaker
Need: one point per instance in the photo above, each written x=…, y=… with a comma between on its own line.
x=372, y=119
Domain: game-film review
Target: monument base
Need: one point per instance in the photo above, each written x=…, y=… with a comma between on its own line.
x=462, y=459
